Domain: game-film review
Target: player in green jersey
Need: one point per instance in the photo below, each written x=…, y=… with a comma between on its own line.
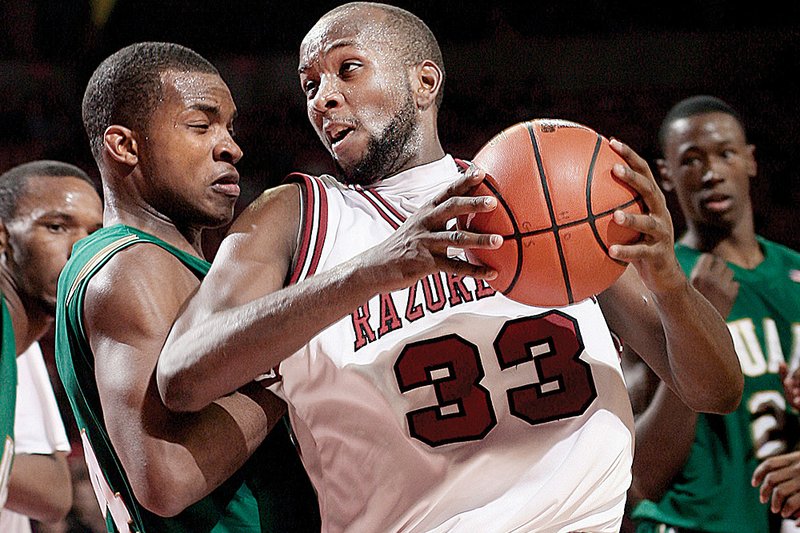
x=160, y=122
x=695, y=471
x=45, y=206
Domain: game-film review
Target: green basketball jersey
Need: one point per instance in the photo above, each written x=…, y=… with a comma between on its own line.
x=713, y=492
x=8, y=398
x=271, y=492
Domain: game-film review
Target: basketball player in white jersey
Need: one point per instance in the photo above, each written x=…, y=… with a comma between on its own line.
x=421, y=399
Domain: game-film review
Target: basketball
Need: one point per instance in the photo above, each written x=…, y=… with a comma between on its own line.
x=556, y=198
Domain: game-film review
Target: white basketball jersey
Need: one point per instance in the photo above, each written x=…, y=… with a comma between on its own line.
x=446, y=406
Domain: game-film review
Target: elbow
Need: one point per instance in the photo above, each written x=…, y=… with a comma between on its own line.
x=731, y=397
x=721, y=398
x=176, y=391
x=163, y=492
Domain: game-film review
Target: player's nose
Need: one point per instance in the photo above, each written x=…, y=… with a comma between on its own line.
x=328, y=96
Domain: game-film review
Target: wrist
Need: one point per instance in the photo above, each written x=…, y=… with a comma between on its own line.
x=673, y=293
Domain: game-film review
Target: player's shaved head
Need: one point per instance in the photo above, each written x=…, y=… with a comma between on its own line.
x=405, y=34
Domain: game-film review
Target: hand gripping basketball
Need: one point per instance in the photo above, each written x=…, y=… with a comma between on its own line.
x=557, y=196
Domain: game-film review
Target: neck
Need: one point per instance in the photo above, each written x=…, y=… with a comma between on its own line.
x=29, y=323
x=428, y=154
x=143, y=217
x=429, y=149
x=738, y=246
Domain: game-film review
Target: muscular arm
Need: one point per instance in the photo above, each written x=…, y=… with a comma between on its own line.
x=242, y=323
x=665, y=426
x=40, y=487
x=655, y=310
x=681, y=337
x=171, y=460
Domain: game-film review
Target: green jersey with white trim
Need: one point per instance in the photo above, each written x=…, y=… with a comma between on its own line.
x=271, y=492
x=713, y=493
x=8, y=398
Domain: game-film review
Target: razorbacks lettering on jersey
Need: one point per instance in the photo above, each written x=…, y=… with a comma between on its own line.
x=446, y=406
x=8, y=398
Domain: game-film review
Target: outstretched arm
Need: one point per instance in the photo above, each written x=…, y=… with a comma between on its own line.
x=172, y=460
x=655, y=309
x=242, y=322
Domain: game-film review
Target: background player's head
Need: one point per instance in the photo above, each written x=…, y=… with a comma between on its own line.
x=708, y=163
x=45, y=207
x=160, y=122
x=373, y=77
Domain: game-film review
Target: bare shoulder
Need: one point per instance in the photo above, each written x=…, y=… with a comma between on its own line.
x=281, y=203
x=271, y=222
x=136, y=288
x=256, y=254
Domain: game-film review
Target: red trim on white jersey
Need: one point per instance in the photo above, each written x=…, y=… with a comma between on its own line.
x=314, y=225
x=384, y=208
x=463, y=165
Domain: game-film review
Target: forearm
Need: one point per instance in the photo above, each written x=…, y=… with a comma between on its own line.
x=208, y=354
x=40, y=487
x=664, y=435
x=173, y=460
x=703, y=363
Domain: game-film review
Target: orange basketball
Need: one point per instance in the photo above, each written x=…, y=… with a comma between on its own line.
x=556, y=197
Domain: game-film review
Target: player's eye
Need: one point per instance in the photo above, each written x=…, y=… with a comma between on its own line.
x=690, y=161
x=54, y=227
x=349, y=67
x=309, y=87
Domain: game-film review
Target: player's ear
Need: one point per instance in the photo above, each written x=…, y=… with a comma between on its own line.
x=752, y=165
x=3, y=238
x=426, y=83
x=120, y=145
x=663, y=172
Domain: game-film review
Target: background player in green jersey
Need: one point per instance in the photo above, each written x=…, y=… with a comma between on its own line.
x=45, y=206
x=695, y=471
x=160, y=122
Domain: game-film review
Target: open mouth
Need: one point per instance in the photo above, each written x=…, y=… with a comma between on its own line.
x=336, y=139
x=337, y=133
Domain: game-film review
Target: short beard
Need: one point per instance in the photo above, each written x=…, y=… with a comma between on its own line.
x=388, y=151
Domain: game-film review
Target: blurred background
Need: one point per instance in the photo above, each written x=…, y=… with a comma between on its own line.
x=614, y=66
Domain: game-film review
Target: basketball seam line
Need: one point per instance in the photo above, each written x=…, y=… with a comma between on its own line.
x=521, y=235
x=554, y=228
x=591, y=219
